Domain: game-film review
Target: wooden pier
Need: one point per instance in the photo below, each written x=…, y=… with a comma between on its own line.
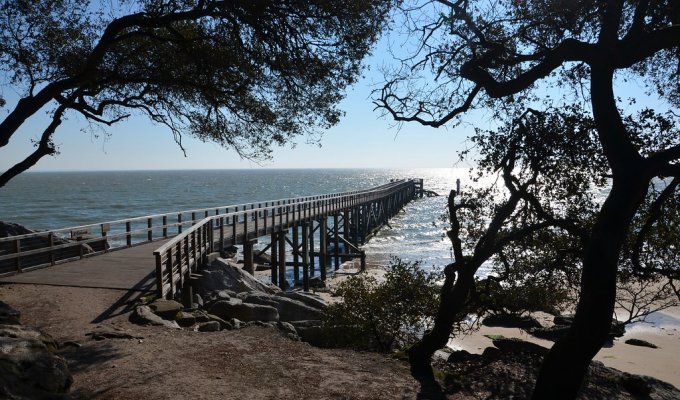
x=324, y=229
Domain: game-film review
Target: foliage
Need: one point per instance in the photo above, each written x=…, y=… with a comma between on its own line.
x=386, y=313
x=504, y=56
x=246, y=75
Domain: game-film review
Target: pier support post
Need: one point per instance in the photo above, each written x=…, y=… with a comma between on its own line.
x=296, y=254
x=336, y=242
x=248, y=264
x=282, y=260
x=323, y=256
x=311, y=248
x=274, y=259
x=305, y=257
x=187, y=293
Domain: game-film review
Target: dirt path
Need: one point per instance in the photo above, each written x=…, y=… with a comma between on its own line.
x=252, y=363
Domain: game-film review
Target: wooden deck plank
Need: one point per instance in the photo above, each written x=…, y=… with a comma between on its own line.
x=130, y=269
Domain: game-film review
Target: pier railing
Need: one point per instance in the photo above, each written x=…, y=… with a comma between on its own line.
x=22, y=253
x=189, y=250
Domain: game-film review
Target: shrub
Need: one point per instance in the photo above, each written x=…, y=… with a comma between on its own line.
x=383, y=314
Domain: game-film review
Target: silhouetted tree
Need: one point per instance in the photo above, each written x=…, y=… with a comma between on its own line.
x=481, y=54
x=244, y=74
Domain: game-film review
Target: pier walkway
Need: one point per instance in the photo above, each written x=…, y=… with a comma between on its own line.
x=161, y=252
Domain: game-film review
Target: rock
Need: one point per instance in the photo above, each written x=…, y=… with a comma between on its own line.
x=640, y=342
x=244, y=311
x=9, y=315
x=185, y=319
x=260, y=257
x=224, y=294
x=223, y=324
x=460, y=356
x=198, y=300
x=101, y=335
x=166, y=309
x=636, y=385
x=28, y=334
x=519, y=346
x=317, y=283
x=200, y=316
x=221, y=274
x=617, y=329
x=511, y=321
x=565, y=319
x=288, y=309
x=286, y=327
x=144, y=315
x=309, y=299
x=210, y=326
x=28, y=370
x=306, y=323
x=553, y=333
x=229, y=252
x=235, y=323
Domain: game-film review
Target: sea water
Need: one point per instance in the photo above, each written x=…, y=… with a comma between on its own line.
x=52, y=200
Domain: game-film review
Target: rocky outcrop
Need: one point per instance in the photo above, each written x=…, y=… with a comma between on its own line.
x=288, y=309
x=231, y=298
x=232, y=308
x=28, y=367
x=222, y=274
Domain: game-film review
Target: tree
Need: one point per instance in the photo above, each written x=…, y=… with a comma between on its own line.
x=244, y=74
x=493, y=54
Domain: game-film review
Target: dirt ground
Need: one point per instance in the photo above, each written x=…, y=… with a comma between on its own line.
x=160, y=363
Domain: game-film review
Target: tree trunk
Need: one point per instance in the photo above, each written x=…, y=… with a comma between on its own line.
x=453, y=298
x=566, y=365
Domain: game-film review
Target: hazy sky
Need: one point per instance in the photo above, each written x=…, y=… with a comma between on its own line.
x=362, y=139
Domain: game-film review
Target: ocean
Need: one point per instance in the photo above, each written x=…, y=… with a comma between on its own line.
x=52, y=200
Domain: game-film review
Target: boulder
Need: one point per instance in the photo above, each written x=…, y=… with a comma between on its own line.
x=28, y=370
x=235, y=323
x=143, y=315
x=198, y=300
x=289, y=330
x=223, y=324
x=166, y=309
x=221, y=274
x=460, y=356
x=185, y=319
x=229, y=252
x=210, y=326
x=640, y=342
x=519, y=346
x=288, y=309
x=28, y=334
x=306, y=323
x=564, y=319
x=553, y=333
x=309, y=299
x=9, y=315
x=511, y=321
x=233, y=308
x=317, y=283
x=260, y=257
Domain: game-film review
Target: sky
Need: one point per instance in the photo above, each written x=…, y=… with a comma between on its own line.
x=362, y=139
